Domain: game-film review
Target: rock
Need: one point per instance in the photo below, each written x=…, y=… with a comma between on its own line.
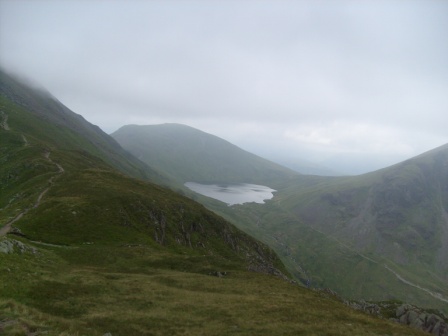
x=418, y=318
x=368, y=307
x=402, y=310
x=16, y=231
x=6, y=246
x=218, y=274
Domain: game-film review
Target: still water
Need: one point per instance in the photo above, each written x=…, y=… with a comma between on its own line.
x=233, y=193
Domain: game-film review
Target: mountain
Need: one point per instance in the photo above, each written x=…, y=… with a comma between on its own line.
x=378, y=236
x=190, y=155
x=86, y=249
x=399, y=212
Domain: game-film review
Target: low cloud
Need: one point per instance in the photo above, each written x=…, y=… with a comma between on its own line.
x=311, y=78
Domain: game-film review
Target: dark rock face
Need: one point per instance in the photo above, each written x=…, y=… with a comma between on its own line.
x=431, y=322
x=368, y=307
x=417, y=318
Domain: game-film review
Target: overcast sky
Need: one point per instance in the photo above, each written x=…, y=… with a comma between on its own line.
x=354, y=85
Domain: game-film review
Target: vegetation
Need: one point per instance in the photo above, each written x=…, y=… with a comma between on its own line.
x=360, y=236
x=144, y=290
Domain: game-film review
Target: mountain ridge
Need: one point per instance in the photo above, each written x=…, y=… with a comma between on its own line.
x=175, y=149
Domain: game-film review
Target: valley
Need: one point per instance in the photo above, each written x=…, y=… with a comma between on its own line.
x=377, y=236
x=96, y=241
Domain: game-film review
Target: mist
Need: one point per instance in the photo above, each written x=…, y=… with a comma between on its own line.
x=351, y=86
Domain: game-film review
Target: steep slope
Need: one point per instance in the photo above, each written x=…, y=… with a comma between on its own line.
x=68, y=129
x=400, y=212
x=61, y=194
x=377, y=236
x=190, y=155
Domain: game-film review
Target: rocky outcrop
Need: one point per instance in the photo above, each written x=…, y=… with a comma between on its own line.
x=420, y=319
x=431, y=322
x=9, y=246
x=368, y=307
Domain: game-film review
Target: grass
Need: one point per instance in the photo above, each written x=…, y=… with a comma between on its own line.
x=329, y=262
x=90, y=290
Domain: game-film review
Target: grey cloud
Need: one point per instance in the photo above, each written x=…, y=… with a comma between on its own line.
x=257, y=67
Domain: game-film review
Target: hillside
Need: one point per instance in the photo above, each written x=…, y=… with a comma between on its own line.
x=400, y=212
x=378, y=236
x=86, y=250
x=190, y=155
x=67, y=129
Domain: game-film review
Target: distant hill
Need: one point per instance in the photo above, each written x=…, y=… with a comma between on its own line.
x=190, y=155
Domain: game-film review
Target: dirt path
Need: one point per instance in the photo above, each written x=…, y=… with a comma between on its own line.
x=5, y=229
x=438, y=296
x=25, y=140
x=399, y=277
x=4, y=121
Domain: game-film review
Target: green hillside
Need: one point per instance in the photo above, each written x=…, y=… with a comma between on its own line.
x=86, y=250
x=378, y=236
x=67, y=129
x=190, y=155
x=398, y=214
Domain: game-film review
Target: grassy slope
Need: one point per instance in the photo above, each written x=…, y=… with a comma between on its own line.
x=398, y=213
x=403, y=205
x=189, y=155
x=341, y=232
x=70, y=130
x=336, y=232
x=91, y=290
x=327, y=262
x=106, y=253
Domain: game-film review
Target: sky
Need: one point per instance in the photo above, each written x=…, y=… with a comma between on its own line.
x=351, y=85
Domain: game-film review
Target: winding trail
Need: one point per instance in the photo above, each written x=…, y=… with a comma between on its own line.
x=4, y=121
x=399, y=277
x=437, y=296
x=5, y=229
x=25, y=140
